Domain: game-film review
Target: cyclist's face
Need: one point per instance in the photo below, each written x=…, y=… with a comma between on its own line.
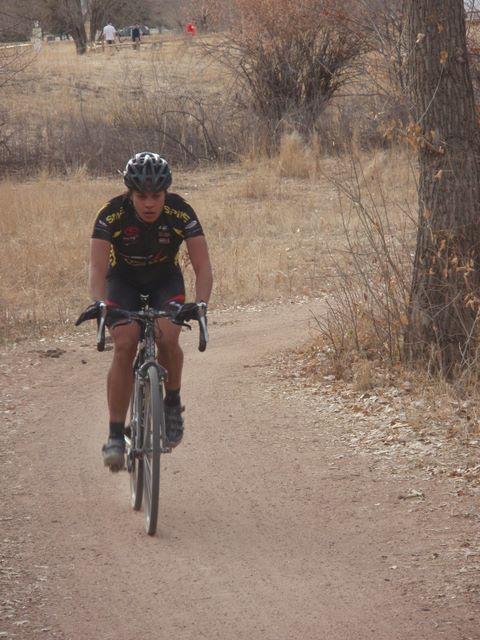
x=148, y=205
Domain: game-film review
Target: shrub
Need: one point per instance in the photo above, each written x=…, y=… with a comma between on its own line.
x=290, y=58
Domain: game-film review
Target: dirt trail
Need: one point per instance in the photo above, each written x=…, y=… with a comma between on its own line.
x=269, y=528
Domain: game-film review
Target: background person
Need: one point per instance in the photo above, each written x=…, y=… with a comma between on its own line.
x=136, y=35
x=109, y=34
x=134, y=250
x=190, y=29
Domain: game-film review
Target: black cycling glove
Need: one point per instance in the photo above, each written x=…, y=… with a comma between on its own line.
x=186, y=312
x=91, y=312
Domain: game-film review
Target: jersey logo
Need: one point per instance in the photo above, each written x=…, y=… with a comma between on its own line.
x=131, y=235
x=144, y=261
x=114, y=216
x=163, y=235
x=182, y=215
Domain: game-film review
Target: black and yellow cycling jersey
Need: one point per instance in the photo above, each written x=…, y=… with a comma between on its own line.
x=142, y=252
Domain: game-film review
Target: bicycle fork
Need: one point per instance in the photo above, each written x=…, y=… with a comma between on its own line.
x=135, y=443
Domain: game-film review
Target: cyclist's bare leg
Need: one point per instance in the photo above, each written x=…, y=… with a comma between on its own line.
x=119, y=388
x=170, y=354
x=119, y=380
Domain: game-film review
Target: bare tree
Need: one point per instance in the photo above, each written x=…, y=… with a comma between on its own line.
x=208, y=15
x=121, y=12
x=290, y=58
x=75, y=17
x=71, y=16
x=16, y=20
x=444, y=305
x=384, y=21
x=15, y=25
x=66, y=16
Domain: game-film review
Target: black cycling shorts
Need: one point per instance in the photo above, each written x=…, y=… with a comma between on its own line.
x=122, y=293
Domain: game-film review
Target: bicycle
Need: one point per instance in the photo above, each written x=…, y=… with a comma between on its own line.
x=145, y=436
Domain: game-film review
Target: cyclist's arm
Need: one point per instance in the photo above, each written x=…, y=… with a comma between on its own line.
x=198, y=253
x=99, y=254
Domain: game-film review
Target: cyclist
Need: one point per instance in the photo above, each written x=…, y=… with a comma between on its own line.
x=134, y=250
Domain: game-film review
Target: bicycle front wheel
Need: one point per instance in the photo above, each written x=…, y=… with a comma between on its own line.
x=153, y=418
x=135, y=461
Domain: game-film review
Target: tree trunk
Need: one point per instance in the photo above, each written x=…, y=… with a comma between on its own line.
x=76, y=21
x=79, y=36
x=444, y=301
x=97, y=20
x=99, y=10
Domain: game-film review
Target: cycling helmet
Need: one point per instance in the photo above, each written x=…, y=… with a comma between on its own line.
x=147, y=171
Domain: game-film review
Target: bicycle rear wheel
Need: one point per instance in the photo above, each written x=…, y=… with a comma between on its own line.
x=153, y=418
x=135, y=462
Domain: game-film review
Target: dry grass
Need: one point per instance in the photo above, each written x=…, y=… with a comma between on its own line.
x=67, y=110
x=268, y=235
x=44, y=263
x=296, y=160
x=272, y=223
x=262, y=248
x=58, y=77
x=277, y=227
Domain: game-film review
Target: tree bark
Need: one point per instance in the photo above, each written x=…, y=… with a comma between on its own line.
x=76, y=22
x=443, y=316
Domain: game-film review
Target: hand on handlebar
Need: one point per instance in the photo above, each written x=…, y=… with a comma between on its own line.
x=193, y=311
x=91, y=312
x=178, y=314
x=189, y=311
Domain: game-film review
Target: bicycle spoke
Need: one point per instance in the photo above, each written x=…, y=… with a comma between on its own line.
x=147, y=482
x=135, y=465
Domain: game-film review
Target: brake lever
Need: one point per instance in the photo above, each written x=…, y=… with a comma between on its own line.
x=101, y=321
x=203, y=340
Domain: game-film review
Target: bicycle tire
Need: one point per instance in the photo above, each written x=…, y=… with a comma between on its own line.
x=135, y=463
x=153, y=418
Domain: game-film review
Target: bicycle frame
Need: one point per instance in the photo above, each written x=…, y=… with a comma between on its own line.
x=145, y=436
x=146, y=358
